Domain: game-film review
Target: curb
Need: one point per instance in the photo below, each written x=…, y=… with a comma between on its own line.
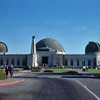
x=10, y=83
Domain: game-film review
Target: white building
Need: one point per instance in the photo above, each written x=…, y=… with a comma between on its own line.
x=50, y=52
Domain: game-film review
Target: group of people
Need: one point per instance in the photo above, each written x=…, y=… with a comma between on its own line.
x=9, y=70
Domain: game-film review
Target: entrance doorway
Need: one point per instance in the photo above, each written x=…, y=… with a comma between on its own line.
x=45, y=60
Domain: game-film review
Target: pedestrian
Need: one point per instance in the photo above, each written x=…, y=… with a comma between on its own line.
x=84, y=68
x=6, y=70
x=10, y=69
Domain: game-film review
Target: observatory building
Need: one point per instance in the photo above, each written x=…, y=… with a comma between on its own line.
x=49, y=52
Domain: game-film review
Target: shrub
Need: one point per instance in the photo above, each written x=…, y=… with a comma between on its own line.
x=26, y=68
x=48, y=70
x=71, y=72
x=18, y=69
x=36, y=69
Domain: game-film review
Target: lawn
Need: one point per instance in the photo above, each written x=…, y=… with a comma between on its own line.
x=60, y=70
x=2, y=75
x=94, y=71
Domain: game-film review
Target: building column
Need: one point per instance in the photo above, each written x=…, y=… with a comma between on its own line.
x=15, y=64
x=80, y=63
x=9, y=61
x=54, y=60
x=86, y=61
x=4, y=60
x=21, y=65
x=69, y=63
x=61, y=60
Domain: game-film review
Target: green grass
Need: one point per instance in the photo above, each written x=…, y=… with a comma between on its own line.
x=2, y=75
x=94, y=71
x=59, y=70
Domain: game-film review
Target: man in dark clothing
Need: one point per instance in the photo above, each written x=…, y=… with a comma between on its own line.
x=10, y=69
x=6, y=70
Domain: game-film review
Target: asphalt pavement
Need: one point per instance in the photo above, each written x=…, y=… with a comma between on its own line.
x=45, y=88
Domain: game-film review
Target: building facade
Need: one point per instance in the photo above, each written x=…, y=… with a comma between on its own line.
x=49, y=52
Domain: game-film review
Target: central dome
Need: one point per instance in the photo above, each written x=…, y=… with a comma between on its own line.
x=48, y=44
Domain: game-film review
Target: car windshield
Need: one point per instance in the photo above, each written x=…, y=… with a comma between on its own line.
x=49, y=49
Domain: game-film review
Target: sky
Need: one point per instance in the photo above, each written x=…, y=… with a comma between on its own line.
x=72, y=22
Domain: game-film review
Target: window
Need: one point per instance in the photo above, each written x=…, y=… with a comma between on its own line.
x=71, y=62
x=12, y=61
x=89, y=62
x=66, y=62
x=77, y=62
x=18, y=62
x=45, y=60
x=24, y=61
x=94, y=62
x=7, y=62
x=1, y=62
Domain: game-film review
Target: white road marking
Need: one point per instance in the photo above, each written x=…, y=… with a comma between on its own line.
x=85, y=87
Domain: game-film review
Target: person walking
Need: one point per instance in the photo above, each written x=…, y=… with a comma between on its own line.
x=6, y=70
x=10, y=70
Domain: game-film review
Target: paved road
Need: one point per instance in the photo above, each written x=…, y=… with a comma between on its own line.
x=92, y=84
x=45, y=89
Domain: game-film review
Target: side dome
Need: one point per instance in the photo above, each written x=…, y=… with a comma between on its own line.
x=49, y=44
x=92, y=47
x=3, y=47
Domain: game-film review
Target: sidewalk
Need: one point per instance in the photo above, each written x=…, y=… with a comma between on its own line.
x=11, y=81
